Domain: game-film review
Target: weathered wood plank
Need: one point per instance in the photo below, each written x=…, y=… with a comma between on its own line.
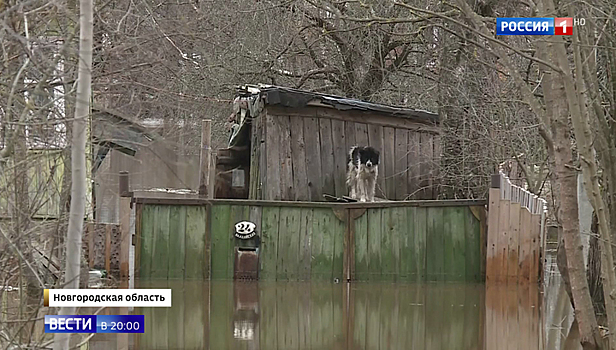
x=436, y=162
x=313, y=158
x=273, y=189
x=503, y=241
x=257, y=142
x=361, y=248
x=400, y=242
x=221, y=241
x=340, y=157
x=449, y=226
x=138, y=238
x=366, y=117
x=425, y=168
x=514, y=242
x=298, y=154
x=374, y=244
x=388, y=246
x=535, y=247
x=288, y=244
x=525, y=256
x=493, y=232
x=339, y=233
x=305, y=236
x=473, y=246
x=387, y=162
x=420, y=228
x=323, y=231
x=148, y=227
x=269, y=243
x=361, y=134
x=327, y=156
x=177, y=240
x=434, y=245
x=237, y=213
x=459, y=244
x=375, y=139
x=401, y=164
x=195, y=243
x=160, y=248
x=287, y=184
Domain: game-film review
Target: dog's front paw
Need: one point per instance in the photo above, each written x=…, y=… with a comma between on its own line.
x=362, y=200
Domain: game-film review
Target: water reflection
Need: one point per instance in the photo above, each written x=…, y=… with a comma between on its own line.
x=244, y=315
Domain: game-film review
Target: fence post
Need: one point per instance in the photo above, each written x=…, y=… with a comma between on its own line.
x=205, y=183
x=494, y=197
x=125, y=240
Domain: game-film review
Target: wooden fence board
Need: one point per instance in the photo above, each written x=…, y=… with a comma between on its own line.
x=298, y=155
x=147, y=236
x=406, y=243
x=313, y=158
x=434, y=245
x=387, y=246
x=413, y=162
x=525, y=246
x=493, y=233
x=425, y=149
x=339, y=232
x=269, y=243
x=420, y=226
x=459, y=243
x=401, y=165
x=237, y=213
x=473, y=254
x=513, y=268
x=177, y=233
x=221, y=240
x=288, y=244
x=324, y=229
x=160, y=248
x=327, y=156
x=305, y=237
x=446, y=235
x=340, y=157
x=375, y=139
x=195, y=243
x=361, y=248
x=287, y=185
x=272, y=173
x=535, y=246
x=388, y=156
x=374, y=244
x=503, y=240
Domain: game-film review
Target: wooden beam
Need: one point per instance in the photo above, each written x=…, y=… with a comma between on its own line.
x=355, y=116
x=125, y=235
x=204, y=158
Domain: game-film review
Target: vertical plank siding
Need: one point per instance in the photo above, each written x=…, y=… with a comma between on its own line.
x=397, y=244
x=515, y=232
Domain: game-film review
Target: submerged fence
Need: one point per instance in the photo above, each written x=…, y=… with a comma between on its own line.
x=516, y=233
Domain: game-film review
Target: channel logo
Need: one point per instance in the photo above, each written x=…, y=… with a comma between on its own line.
x=534, y=26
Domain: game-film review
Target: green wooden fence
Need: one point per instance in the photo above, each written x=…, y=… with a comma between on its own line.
x=393, y=241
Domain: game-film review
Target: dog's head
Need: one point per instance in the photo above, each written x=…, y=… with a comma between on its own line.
x=369, y=157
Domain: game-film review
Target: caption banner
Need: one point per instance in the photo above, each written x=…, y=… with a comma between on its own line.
x=107, y=297
x=94, y=323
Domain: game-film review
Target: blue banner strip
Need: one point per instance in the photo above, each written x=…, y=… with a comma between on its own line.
x=94, y=324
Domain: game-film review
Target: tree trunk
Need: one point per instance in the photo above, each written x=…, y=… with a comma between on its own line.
x=78, y=162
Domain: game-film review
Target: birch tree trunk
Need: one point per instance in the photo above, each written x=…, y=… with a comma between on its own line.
x=78, y=161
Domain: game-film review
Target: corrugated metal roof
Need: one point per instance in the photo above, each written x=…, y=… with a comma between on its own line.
x=293, y=98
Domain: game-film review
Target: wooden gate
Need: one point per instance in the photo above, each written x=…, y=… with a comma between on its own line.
x=516, y=233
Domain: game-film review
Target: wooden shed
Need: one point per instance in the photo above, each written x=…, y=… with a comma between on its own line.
x=292, y=145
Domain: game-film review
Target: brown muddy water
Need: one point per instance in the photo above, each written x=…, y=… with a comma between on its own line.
x=267, y=315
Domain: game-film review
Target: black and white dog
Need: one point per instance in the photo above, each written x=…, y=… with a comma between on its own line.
x=362, y=173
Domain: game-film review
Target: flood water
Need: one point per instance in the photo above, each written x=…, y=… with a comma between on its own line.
x=267, y=315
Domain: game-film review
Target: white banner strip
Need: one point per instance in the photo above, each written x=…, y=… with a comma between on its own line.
x=107, y=297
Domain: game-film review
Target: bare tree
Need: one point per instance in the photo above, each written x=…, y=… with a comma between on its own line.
x=78, y=161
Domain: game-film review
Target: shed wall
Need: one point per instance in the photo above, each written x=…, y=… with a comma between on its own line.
x=302, y=154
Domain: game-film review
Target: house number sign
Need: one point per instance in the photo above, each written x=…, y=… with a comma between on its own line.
x=245, y=230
